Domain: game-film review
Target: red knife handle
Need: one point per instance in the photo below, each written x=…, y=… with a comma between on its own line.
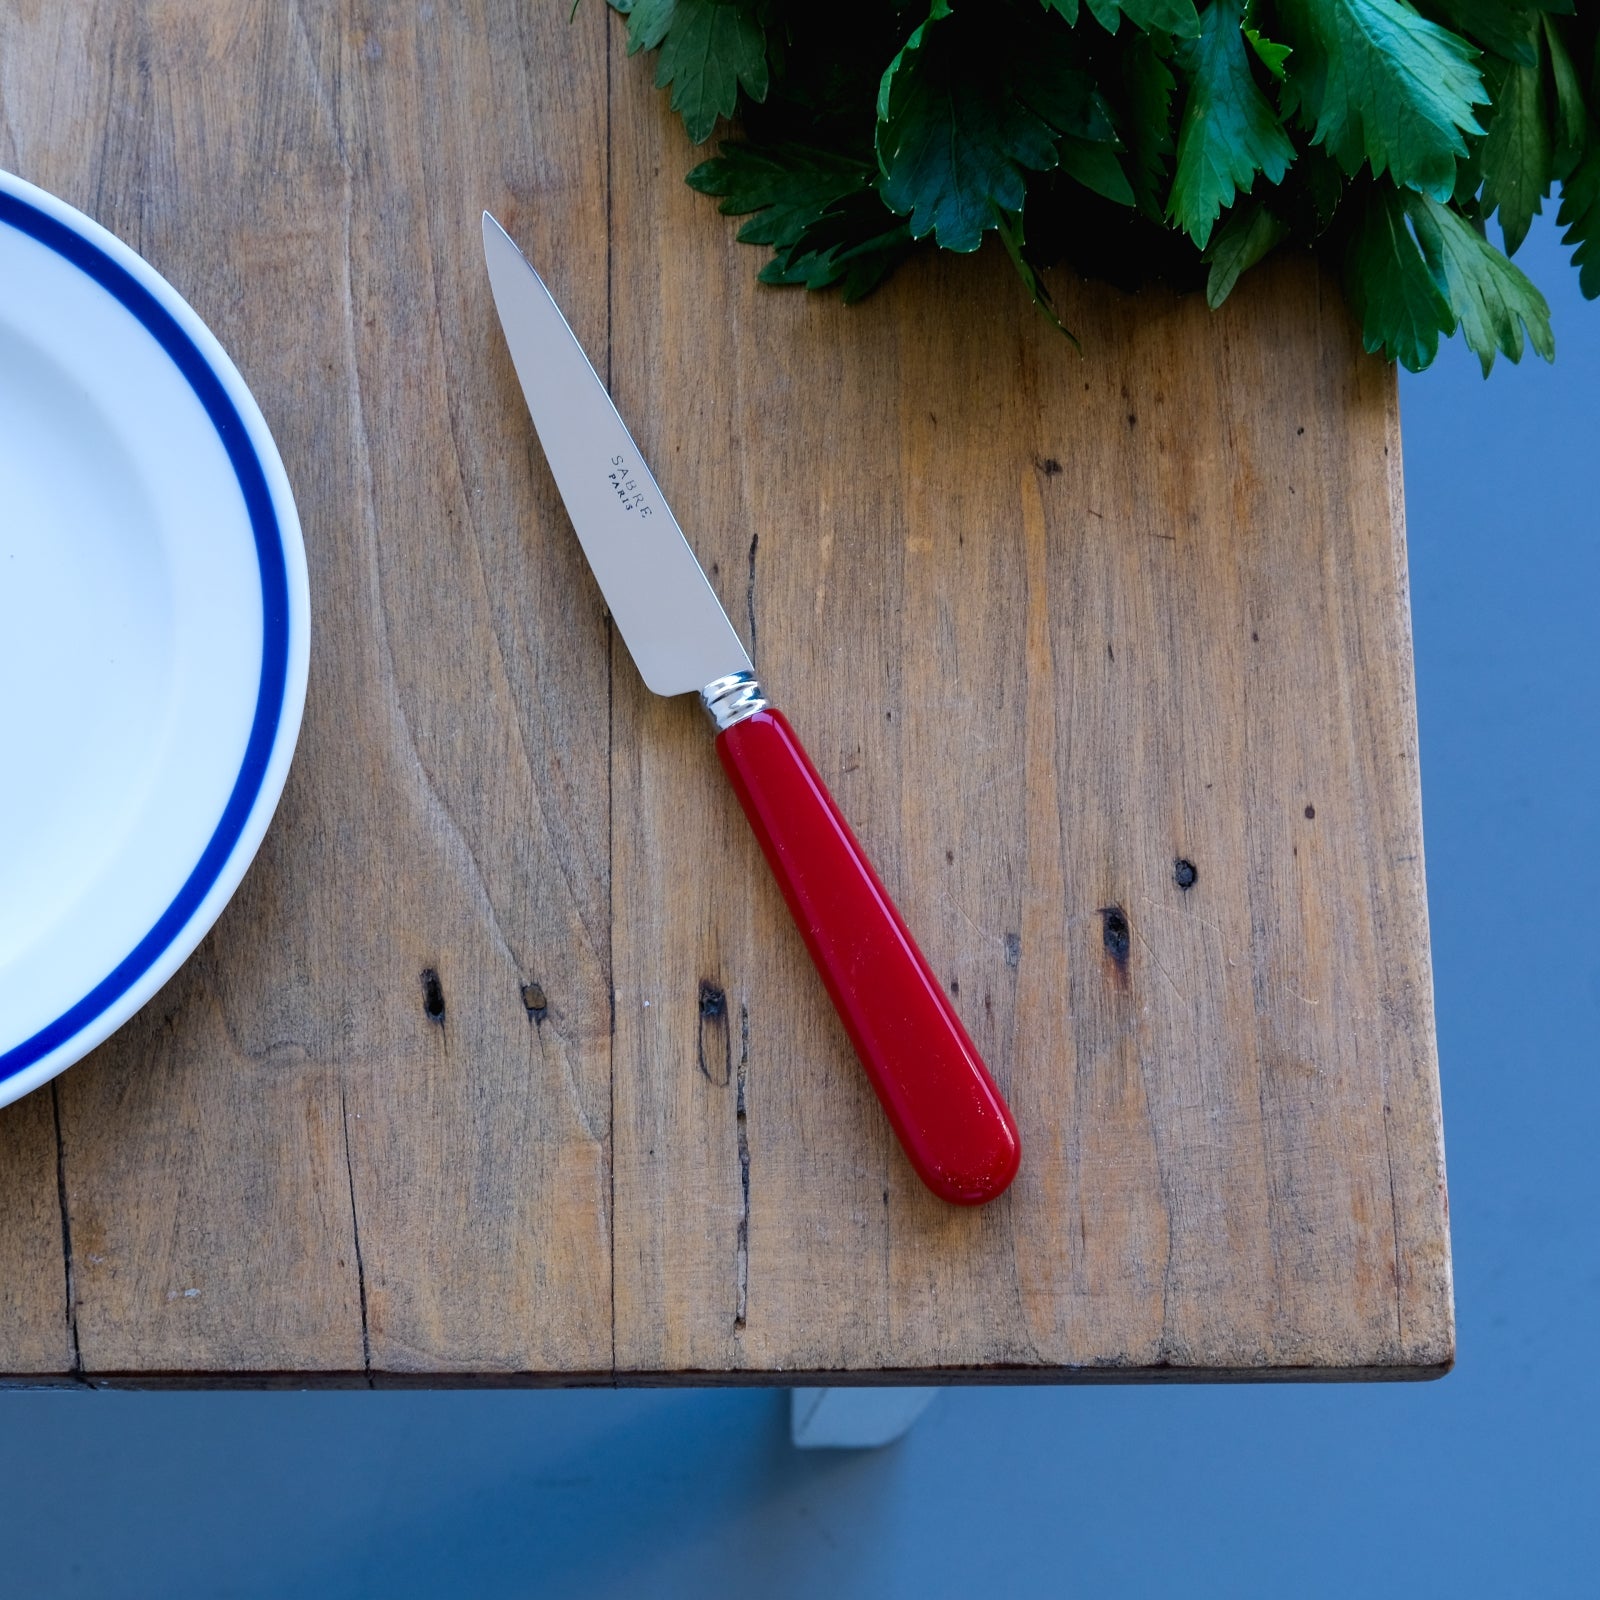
x=940, y=1100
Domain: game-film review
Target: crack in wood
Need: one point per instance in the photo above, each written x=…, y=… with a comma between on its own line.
x=74, y=1354
x=741, y=1123
x=611, y=757
x=750, y=592
x=355, y=1232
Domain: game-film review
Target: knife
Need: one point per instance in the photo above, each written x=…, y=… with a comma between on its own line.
x=951, y=1120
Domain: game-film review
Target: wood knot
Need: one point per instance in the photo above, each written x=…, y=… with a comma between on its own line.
x=713, y=1045
x=432, y=996
x=1116, y=935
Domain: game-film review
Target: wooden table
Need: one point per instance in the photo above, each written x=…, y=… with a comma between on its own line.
x=506, y=1065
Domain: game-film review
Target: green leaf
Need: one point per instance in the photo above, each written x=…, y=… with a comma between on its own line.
x=818, y=209
x=710, y=49
x=1469, y=176
x=1180, y=18
x=1148, y=87
x=789, y=187
x=1229, y=131
x=1248, y=234
x=969, y=106
x=1009, y=226
x=1493, y=299
x=1177, y=17
x=1096, y=167
x=1572, y=119
x=855, y=246
x=1324, y=185
x=1401, y=309
x=1498, y=26
x=1375, y=82
x=648, y=21
x=1272, y=56
x=1517, y=156
x=1580, y=216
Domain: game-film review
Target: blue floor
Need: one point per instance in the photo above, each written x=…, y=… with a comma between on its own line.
x=1487, y=1483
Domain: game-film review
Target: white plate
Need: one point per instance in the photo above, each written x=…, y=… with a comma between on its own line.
x=154, y=632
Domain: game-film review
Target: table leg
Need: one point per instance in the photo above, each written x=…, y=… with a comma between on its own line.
x=853, y=1419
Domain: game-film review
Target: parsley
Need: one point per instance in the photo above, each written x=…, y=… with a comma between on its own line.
x=1249, y=233
x=709, y=51
x=1517, y=156
x=1169, y=138
x=1230, y=131
x=966, y=109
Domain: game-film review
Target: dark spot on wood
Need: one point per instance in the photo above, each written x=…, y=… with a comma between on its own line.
x=433, y=995
x=1133, y=421
x=950, y=856
x=534, y=1002
x=1311, y=812
x=1255, y=638
x=1013, y=943
x=955, y=988
x=1111, y=655
x=1298, y=432
x=886, y=1197
x=713, y=1047
x=716, y=569
x=888, y=716
x=933, y=419
x=1184, y=874
x=1115, y=934
x=1049, y=466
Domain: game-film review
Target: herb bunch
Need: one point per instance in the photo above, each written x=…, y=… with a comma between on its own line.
x=1181, y=140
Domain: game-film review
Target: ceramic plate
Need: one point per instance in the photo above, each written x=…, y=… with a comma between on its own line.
x=154, y=629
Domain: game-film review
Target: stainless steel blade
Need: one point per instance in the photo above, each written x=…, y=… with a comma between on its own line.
x=673, y=625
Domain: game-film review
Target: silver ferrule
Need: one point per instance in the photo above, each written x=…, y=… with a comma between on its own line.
x=733, y=698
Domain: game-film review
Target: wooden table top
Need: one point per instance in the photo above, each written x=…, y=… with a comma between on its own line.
x=505, y=1064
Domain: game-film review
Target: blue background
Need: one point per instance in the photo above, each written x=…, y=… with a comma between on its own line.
x=1487, y=1483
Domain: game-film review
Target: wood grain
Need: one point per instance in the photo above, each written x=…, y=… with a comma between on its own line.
x=1049, y=625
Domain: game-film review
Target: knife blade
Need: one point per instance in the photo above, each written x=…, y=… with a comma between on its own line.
x=951, y=1120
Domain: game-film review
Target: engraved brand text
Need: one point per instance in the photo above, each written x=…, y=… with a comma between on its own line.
x=626, y=486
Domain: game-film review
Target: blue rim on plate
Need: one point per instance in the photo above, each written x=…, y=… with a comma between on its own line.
x=60, y=229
